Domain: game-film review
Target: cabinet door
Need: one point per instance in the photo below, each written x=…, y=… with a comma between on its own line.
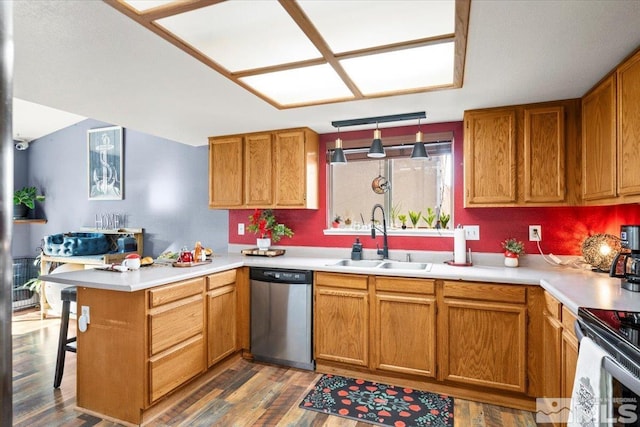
x=225, y=172
x=569, y=352
x=258, y=158
x=291, y=167
x=629, y=126
x=405, y=333
x=490, y=157
x=544, y=160
x=221, y=317
x=173, y=323
x=483, y=343
x=552, y=333
x=341, y=325
x=599, y=142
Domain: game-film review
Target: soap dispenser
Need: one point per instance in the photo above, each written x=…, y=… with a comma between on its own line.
x=356, y=250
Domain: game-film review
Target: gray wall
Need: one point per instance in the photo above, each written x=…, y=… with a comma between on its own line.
x=165, y=191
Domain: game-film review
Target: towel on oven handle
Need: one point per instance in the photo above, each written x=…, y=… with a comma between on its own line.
x=591, y=398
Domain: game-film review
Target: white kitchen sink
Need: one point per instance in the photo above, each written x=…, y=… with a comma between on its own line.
x=361, y=263
x=390, y=265
x=399, y=265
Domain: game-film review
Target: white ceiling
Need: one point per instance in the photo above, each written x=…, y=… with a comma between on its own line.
x=86, y=58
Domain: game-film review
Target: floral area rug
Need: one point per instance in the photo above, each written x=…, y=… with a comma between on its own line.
x=379, y=404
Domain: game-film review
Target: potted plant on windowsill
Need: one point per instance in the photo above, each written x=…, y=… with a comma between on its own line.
x=512, y=251
x=24, y=200
x=264, y=224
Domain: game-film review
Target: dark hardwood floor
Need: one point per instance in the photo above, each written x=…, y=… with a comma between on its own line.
x=242, y=393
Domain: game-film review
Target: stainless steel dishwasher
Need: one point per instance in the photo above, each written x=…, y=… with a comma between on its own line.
x=281, y=316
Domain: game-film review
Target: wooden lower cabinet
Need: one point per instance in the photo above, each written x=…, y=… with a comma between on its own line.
x=341, y=319
x=560, y=349
x=482, y=335
x=552, y=332
x=221, y=316
x=404, y=316
x=569, y=352
x=142, y=347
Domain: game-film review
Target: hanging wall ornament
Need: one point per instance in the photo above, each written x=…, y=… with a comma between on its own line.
x=380, y=184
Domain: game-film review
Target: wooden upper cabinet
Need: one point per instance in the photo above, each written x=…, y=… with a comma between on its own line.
x=225, y=172
x=517, y=155
x=258, y=166
x=296, y=169
x=544, y=154
x=490, y=157
x=599, y=141
x=272, y=169
x=628, y=80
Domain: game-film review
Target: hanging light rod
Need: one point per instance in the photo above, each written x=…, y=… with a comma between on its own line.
x=379, y=119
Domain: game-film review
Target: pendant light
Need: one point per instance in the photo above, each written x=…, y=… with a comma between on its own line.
x=338, y=157
x=419, y=151
x=376, y=150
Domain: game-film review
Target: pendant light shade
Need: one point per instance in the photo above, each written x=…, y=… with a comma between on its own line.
x=419, y=152
x=338, y=157
x=376, y=150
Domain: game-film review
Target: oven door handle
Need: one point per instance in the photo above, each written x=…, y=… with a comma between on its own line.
x=621, y=374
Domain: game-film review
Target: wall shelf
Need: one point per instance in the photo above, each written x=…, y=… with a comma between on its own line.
x=30, y=221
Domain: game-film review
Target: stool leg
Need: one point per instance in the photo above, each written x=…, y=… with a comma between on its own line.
x=62, y=342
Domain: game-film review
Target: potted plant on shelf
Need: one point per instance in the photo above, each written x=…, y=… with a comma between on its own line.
x=336, y=221
x=512, y=251
x=403, y=220
x=264, y=224
x=414, y=217
x=444, y=220
x=430, y=217
x=24, y=200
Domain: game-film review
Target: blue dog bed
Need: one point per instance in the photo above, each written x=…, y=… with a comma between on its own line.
x=75, y=244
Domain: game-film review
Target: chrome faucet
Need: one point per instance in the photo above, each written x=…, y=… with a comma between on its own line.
x=385, y=245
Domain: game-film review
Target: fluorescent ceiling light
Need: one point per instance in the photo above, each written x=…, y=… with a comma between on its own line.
x=402, y=70
x=264, y=36
x=300, y=85
x=309, y=52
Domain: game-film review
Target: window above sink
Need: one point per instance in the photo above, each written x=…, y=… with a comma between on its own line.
x=423, y=187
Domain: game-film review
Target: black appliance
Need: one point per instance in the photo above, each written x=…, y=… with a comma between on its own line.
x=630, y=242
x=618, y=334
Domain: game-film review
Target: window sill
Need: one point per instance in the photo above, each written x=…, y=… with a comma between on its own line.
x=366, y=231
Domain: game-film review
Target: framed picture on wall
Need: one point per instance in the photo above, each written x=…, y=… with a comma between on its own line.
x=105, y=163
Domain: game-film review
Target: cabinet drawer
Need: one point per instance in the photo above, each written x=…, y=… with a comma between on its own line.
x=552, y=306
x=175, y=291
x=221, y=279
x=337, y=280
x=402, y=284
x=170, y=370
x=485, y=292
x=170, y=327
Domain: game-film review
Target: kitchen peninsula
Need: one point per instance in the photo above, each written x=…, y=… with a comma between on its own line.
x=154, y=330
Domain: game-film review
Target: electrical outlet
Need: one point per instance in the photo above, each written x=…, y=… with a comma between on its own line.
x=241, y=229
x=471, y=232
x=85, y=312
x=535, y=233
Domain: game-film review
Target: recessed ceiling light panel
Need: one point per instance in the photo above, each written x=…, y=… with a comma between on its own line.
x=264, y=36
x=300, y=85
x=379, y=22
x=402, y=70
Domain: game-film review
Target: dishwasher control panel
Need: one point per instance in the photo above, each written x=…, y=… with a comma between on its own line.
x=282, y=276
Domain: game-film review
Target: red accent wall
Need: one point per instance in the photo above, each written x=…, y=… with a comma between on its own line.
x=563, y=228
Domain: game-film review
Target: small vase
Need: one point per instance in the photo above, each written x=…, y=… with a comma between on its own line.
x=510, y=259
x=263, y=244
